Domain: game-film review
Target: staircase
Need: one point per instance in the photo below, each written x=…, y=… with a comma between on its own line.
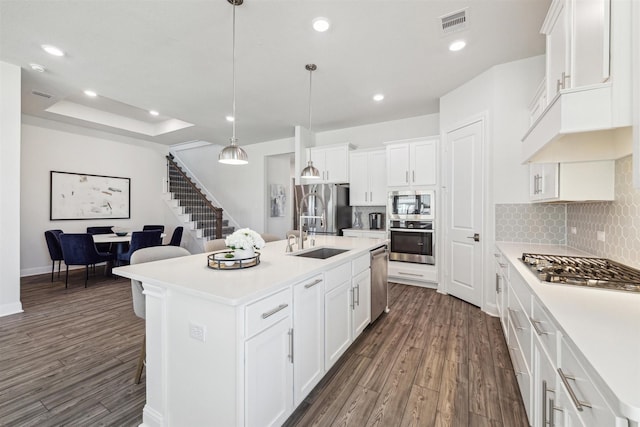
x=193, y=207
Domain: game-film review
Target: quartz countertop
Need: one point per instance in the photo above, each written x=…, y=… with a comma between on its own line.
x=276, y=270
x=603, y=324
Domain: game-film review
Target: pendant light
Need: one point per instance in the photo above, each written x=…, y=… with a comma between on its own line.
x=232, y=154
x=310, y=172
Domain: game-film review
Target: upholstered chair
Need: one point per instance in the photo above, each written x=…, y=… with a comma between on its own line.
x=153, y=227
x=176, y=237
x=55, y=250
x=270, y=237
x=79, y=249
x=139, y=240
x=214, y=245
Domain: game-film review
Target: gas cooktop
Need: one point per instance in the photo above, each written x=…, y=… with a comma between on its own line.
x=583, y=271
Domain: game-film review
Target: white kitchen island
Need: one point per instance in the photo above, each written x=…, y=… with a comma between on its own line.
x=244, y=347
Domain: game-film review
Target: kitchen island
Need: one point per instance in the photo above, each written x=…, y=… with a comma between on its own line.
x=591, y=337
x=244, y=347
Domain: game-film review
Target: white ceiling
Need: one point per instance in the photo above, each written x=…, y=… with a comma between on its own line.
x=174, y=56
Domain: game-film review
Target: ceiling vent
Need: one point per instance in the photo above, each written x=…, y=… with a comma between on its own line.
x=42, y=94
x=453, y=22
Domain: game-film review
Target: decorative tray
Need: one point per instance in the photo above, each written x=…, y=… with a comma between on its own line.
x=218, y=261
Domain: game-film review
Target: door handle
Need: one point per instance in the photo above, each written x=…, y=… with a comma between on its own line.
x=475, y=237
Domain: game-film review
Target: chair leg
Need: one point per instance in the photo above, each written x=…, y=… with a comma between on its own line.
x=59, y=263
x=86, y=276
x=66, y=279
x=141, y=360
x=53, y=267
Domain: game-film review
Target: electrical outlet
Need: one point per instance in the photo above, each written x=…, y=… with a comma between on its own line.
x=600, y=236
x=574, y=230
x=197, y=332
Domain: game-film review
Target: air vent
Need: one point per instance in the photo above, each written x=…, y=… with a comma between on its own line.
x=42, y=94
x=453, y=22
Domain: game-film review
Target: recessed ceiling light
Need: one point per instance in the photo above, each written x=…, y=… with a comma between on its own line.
x=52, y=50
x=457, y=45
x=90, y=93
x=37, y=67
x=378, y=97
x=154, y=113
x=321, y=24
x=229, y=118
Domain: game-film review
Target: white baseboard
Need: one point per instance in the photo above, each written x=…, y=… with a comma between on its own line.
x=34, y=271
x=11, y=308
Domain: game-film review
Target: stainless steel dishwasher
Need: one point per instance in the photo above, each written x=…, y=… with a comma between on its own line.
x=379, y=258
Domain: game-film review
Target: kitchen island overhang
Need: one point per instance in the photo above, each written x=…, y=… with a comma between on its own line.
x=195, y=380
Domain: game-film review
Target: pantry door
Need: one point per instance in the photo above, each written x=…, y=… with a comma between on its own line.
x=463, y=209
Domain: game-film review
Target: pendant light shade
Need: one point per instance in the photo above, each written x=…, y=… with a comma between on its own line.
x=310, y=171
x=232, y=154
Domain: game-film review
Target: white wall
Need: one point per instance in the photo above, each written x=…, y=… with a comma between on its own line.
x=10, y=244
x=280, y=169
x=48, y=146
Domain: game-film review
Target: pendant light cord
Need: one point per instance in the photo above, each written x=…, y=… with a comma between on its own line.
x=310, y=83
x=233, y=72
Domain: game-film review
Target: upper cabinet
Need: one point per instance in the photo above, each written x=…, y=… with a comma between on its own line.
x=332, y=162
x=412, y=163
x=586, y=91
x=368, y=178
x=572, y=182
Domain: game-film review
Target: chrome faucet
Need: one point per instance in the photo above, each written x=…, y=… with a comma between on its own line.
x=289, y=247
x=321, y=217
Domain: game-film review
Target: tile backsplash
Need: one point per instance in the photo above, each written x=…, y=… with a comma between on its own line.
x=364, y=214
x=531, y=223
x=619, y=220
x=553, y=223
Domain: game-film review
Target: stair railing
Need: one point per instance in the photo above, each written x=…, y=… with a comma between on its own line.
x=195, y=202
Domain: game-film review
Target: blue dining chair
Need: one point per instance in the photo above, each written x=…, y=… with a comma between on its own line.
x=139, y=240
x=79, y=249
x=102, y=229
x=176, y=237
x=153, y=227
x=55, y=250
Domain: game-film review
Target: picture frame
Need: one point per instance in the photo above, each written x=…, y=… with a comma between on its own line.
x=80, y=196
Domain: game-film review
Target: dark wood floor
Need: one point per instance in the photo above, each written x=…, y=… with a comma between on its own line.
x=70, y=358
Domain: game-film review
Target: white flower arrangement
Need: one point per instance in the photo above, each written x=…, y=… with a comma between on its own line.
x=245, y=238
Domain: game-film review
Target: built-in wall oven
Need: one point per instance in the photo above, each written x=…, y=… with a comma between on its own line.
x=412, y=241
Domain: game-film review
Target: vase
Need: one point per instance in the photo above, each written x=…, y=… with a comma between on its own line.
x=243, y=253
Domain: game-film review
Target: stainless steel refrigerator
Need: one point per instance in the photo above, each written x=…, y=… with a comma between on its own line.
x=328, y=200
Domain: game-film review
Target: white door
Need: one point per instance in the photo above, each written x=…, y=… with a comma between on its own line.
x=463, y=208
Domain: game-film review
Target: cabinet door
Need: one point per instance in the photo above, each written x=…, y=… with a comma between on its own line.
x=317, y=156
x=337, y=318
x=423, y=163
x=308, y=336
x=398, y=165
x=361, y=302
x=590, y=42
x=359, y=180
x=543, y=178
x=558, y=49
x=269, y=376
x=377, y=178
x=544, y=388
x=337, y=164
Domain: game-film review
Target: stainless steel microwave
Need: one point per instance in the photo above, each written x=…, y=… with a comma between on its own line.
x=411, y=205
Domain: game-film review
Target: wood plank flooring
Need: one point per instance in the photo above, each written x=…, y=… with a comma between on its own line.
x=433, y=360
x=70, y=359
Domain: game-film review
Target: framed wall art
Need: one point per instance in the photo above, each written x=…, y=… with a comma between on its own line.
x=85, y=196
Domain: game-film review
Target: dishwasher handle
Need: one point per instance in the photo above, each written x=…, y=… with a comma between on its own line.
x=379, y=252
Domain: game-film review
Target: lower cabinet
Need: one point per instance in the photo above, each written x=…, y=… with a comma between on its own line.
x=308, y=338
x=269, y=375
x=361, y=302
x=337, y=315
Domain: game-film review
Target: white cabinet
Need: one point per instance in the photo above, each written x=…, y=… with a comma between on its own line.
x=361, y=296
x=502, y=274
x=367, y=234
x=337, y=313
x=412, y=164
x=367, y=178
x=580, y=181
x=411, y=273
x=308, y=338
x=332, y=162
x=268, y=360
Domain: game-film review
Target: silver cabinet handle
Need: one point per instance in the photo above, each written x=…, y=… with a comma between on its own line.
x=312, y=284
x=406, y=176
x=371, y=196
x=358, y=288
x=552, y=418
x=497, y=283
x=544, y=403
x=413, y=176
x=516, y=369
x=353, y=299
x=516, y=325
x=496, y=255
x=536, y=326
x=274, y=311
x=565, y=380
x=365, y=196
x=410, y=274
x=291, y=344
x=502, y=265
x=327, y=175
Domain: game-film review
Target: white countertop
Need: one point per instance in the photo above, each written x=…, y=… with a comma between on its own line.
x=603, y=324
x=276, y=270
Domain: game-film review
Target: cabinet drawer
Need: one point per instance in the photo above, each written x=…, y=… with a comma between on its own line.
x=267, y=311
x=360, y=264
x=545, y=329
x=336, y=276
x=521, y=326
x=523, y=292
x=502, y=266
x=574, y=378
x=523, y=376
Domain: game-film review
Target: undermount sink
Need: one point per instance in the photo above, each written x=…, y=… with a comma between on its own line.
x=321, y=253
